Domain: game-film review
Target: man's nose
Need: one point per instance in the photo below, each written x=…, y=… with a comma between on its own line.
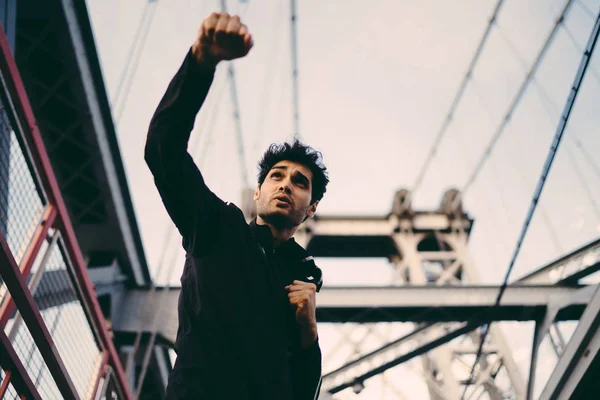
x=286, y=187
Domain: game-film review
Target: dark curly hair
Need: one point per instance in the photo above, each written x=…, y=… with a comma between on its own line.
x=302, y=154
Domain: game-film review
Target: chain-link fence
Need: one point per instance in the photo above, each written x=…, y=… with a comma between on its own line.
x=22, y=199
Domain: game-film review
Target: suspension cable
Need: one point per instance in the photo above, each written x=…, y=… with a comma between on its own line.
x=134, y=44
x=457, y=98
x=543, y=211
x=546, y=98
x=236, y=114
x=131, y=65
x=513, y=105
x=587, y=10
x=585, y=60
x=270, y=76
x=577, y=46
x=549, y=103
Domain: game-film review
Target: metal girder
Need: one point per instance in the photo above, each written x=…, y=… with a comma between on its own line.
x=368, y=236
x=408, y=347
x=380, y=304
x=568, y=269
x=378, y=225
x=581, y=351
x=111, y=164
x=388, y=356
x=441, y=303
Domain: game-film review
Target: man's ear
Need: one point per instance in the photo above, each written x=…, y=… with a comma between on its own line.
x=312, y=209
x=256, y=193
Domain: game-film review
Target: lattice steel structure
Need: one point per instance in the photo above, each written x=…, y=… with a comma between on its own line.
x=426, y=248
x=55, y=342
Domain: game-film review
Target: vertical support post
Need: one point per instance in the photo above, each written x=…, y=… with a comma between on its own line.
x=294, y=39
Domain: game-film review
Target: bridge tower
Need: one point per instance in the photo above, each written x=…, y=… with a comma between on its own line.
x=425, y=248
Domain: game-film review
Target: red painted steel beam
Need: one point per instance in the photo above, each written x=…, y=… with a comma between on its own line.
x=41, y=233
x=42, y=162
x=15, y=371
x=17, y=286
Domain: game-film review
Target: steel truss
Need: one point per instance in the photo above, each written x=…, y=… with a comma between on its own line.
x=435, y=288
x=448, y=264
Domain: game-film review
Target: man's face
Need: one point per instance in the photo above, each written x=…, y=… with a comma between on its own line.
x=284, y=197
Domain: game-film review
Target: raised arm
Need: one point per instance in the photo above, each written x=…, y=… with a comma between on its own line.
x=185, y=195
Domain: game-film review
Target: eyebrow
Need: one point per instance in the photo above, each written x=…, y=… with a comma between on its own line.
x=301, y=175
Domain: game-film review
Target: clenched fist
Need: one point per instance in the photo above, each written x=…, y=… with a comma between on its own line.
x=302, y=296
x=221, y=37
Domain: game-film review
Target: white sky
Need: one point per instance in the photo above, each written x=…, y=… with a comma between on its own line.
x=376, y=80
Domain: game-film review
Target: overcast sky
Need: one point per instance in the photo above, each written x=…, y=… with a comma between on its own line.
x=376, y=81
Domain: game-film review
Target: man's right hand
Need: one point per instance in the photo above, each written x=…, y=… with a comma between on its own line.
x=221, y=37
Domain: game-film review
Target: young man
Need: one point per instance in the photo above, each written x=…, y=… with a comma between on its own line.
x=247, y=324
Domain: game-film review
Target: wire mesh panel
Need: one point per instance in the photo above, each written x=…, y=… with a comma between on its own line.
x=58, y=300
x=22, y=201
x=33, y=362
x=66, y=319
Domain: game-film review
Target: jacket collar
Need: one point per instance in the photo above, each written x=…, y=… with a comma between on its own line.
x=290, y=251
x=265, y=238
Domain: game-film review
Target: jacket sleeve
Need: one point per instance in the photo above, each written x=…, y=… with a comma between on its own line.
x=306, y=372
x=189, y=202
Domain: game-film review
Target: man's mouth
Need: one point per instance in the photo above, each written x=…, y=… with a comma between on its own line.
x=284, y=199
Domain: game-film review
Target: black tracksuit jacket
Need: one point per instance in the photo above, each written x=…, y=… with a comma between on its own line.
x=237, y=336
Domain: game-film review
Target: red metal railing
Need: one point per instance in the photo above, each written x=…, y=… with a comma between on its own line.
x=62, y=347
